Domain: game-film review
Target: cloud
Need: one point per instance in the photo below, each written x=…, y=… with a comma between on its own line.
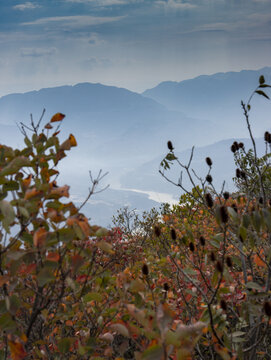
x=102, y=2
x=176, y=4
x=37, y=52
x=75, y=21
x=93, y=62
x=26, y=6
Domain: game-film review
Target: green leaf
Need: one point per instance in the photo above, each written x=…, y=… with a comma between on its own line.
x=11, y=185
x=233, y=213
x=101, y=232
x=257, y=220
x=238, y=333
x=15, y=165
x=24, y=212
x=105, y=246
x=27, y=141
x=243, y=233
x=65, y=235
x=261, y=80
x=45, y=276
x=260, y=92
x=253, y=285
x=64, y=345
x=246, y=220
x=6, y=322
x=170, y=157
x=92, y=296
x=8, y=212
x=120, y=329
x=15, y=255
x=136, y=285
x=14, y=304
x=155, y=352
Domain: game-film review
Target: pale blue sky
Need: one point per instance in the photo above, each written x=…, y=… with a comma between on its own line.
x=129, y=43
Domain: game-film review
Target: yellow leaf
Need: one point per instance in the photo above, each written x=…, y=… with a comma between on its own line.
x=72, y=140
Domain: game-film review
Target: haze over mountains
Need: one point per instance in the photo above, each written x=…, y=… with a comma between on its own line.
x=125, y=133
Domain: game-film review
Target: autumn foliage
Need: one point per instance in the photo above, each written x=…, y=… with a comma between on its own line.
x=190, y=282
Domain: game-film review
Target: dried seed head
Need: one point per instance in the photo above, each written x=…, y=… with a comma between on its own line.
x=269, y=139
x=241, y=238
x=267, y=308
x=191, y=247
x=233, y=148
x=236, y=144
x=223, y=304
x=241, y=145
x=234, y=207
x=173, y=234
x=219, y=266
x=166, y=286
x=209, y=178
x=202, y=240
x=209, y=161
x=243, y=174
x=229, y=261
x=209, y=200
x=212, y=256
x=266, y=136
x=170, y=146
x=238, y=173
x=261, y=200
x=145, y=270
x=157, y=231
x=224, y=214
x=226, y=195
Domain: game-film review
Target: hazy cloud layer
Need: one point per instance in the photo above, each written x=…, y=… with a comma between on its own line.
x=26, y=6
x=128, y=43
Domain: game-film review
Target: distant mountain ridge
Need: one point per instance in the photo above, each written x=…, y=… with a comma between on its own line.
x=215, y=97
x=103, y=116
x=126, y=133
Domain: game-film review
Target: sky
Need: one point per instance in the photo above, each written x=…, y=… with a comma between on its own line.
x=128, y=43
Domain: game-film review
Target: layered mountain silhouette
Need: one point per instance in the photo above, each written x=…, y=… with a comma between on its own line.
x=125, y=133
x=217, y=98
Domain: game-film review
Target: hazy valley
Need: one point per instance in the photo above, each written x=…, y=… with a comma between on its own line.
x=125, y=133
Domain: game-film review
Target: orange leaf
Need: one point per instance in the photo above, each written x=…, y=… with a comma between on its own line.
x=4, y=279
x=17, y=350
x=258, y=260
x=31, y=193
x=39, y=237
x=72, y=140
x=61, y=191
x=57, y=117
x=53, y=257
x=26, y=182
x=56, y=133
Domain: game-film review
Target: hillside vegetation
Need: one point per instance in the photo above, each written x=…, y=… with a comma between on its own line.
x=188, y=282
